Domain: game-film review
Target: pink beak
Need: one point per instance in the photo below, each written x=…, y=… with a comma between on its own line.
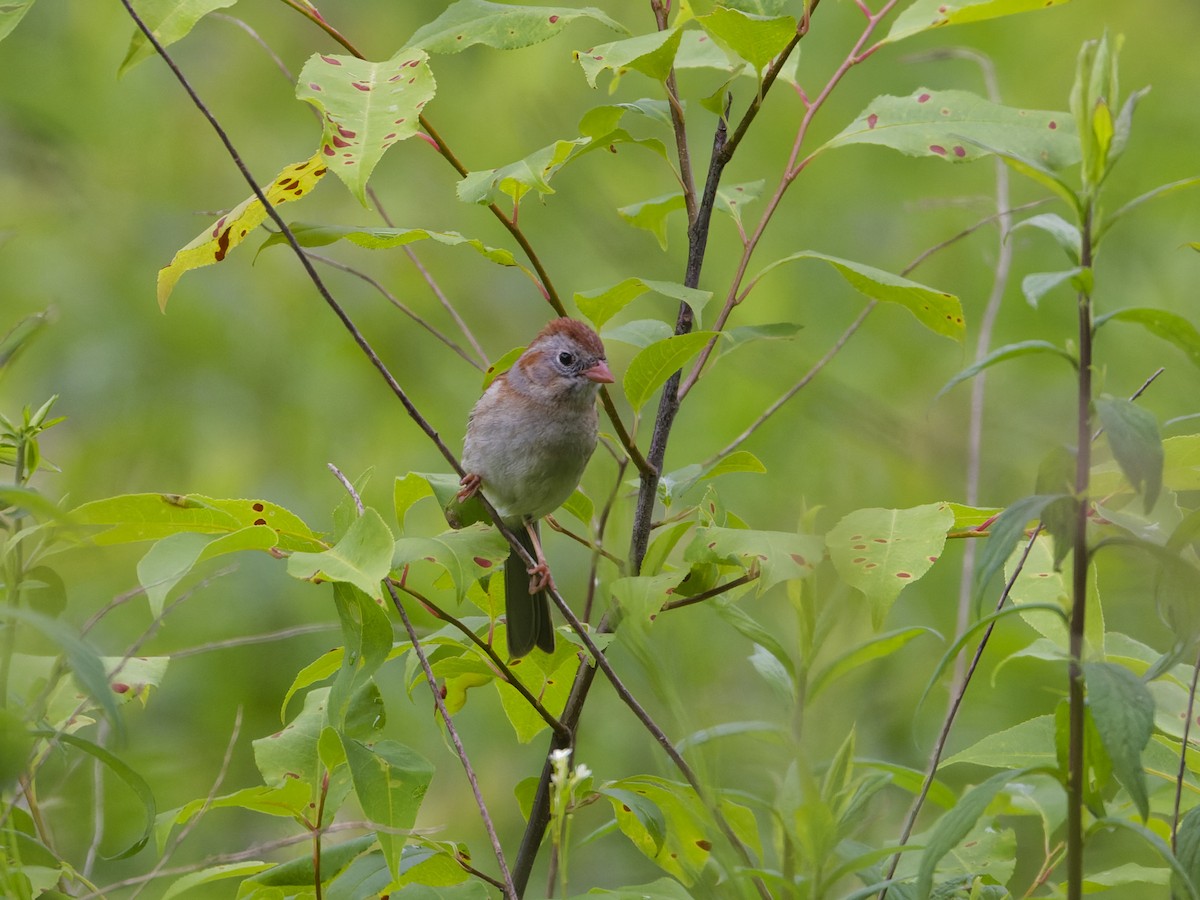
x=599, y=373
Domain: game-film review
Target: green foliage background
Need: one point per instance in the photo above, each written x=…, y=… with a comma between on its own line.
x=246, y=387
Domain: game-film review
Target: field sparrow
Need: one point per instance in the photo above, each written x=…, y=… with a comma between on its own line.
x=528, y=440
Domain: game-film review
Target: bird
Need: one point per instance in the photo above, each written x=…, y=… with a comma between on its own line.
x=529, y=438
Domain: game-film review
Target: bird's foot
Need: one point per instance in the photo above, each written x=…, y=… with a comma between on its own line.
x=540, y=578
x=470, y=486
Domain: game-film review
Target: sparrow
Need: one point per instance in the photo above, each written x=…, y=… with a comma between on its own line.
x=528, y=440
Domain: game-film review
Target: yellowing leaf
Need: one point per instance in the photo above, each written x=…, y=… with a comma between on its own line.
x=214, y=243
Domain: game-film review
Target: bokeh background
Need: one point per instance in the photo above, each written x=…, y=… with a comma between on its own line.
x=247, y=386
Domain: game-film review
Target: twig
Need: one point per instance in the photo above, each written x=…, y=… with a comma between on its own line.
x=1183, y=753
x=555, y=525
x=710, y=593
x=601, y=526
x=251, y=639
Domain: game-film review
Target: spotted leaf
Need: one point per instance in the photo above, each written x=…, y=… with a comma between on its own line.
x=959, y=126
x=366, y=107
x=880, y=551
x=651, y=54
x=214, y=243
x=778, y=555
x=502, y=26
x=925, y=14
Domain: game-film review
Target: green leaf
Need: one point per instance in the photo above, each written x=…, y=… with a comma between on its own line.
x=11, y=14
x=1003, y=354
x=502, y=26
x=673, y=485
x=291, y=754
x=959, y=126
x=367, y=643
x=938, y=311
x=290, y=800
x=875, y=648
x=957, y=824
x=132, y=779
x=366, y=107
x=651, y=54
x=1037, y=285
x=1187, y=847
x=299, y=873
x=363, y=557
x=212, y=874
x=169, y=20
x=1006, y=531
x=1123, y=711
x=148, y=517
x=1133, y=437
x=651, y=215
x=1154, y=194
x=1179, y=878
x=880, y=551
x=925, y=14
x=732, y=198
x=1160, y=323
x=515, y=180
x=466, y=555
x=777, y=555
x=649, y=818
x=756, y=39
x=1064, y=233
x=601, y=304
x=390, y=781
x=1030, y=743
x=650, y=368
x=385, y=238
x=171, y=558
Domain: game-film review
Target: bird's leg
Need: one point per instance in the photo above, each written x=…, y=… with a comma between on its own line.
x=539, y=574
x=470, y=486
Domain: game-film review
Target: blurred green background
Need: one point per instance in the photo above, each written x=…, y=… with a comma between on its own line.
x=247, y=386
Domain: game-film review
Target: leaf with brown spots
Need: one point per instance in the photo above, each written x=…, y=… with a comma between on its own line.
x=214, y=243
x=778, y=555
x=959, y=126
x=466, y=555
x=880, y=551
x=366, y=107
x=502, y=26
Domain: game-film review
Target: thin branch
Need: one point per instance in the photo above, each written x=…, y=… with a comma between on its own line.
x=710, y=593
x=1183, y=753
x=601, y=527
x=555, y=525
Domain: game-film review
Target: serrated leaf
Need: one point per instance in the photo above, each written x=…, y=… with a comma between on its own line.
x=1123, y=712
x=169, y=20
x=651, y=54
x=1133, y=437
x=363, y=557
x=1160, y=323
x=601, y=304
x=502, y=26
x=386, y=238
x=925, y=14
x=366, y=107
x=938, y=311
x=651, y=215
x=214, y=243
x=959, y=126
x=756, y=39
x=1003, y=354
x=650, y=368
x=880, y=551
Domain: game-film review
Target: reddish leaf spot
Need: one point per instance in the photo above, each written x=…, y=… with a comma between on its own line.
x=872, y=120
x=924, y=98
x=704, y=845
x=260, y=521
x=217, y=228
x=412, y=63
x=222, y=245
x=332, y=60
x=1053, y=125
x=597, y=57
x=626, y=808
x=317, y=173
x=483, y=563
x=881, y=540
x=346, y=132
x=942, y=10
x=904, y=574
x=858, y=546
x=390, y=136
x=933, y=559
x=553, y=19
x=120, y=687
x=960, y=152
x=360, y=85
x=938, y=149
x=327, y=150
x=257, y=507
x=398, y=122
x=314, y=86
x=799, y=560
x=338, y=142
x=859, y=560
x=870, y=566
x=712, y=545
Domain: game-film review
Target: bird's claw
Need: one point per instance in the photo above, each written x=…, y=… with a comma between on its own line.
x=470, y=486
x=539, y=578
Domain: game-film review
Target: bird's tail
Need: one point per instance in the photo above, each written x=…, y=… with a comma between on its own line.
x=529, y=623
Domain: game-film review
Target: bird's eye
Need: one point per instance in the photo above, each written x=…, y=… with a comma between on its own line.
x=566, y=358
